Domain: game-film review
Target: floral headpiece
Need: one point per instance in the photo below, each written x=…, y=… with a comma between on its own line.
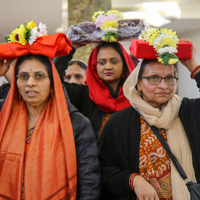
x=27, y=33
x=108, y=23
x=164, y=42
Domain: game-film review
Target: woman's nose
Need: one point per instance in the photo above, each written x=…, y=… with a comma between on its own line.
x=163, y=83
x=31, y=81
x=108, y=65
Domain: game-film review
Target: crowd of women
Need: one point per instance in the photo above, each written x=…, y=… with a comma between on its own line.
x=49, y=129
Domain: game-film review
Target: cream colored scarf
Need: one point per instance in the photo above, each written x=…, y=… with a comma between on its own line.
x=168, y=119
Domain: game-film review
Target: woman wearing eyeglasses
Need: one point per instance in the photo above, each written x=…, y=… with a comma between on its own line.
x=134, y=164
x=45, y=153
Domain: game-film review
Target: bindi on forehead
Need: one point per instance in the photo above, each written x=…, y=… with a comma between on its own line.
x=31, y=70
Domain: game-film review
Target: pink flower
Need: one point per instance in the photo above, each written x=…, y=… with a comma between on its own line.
x=100, y=20
x=43, y=29
x=112, y=17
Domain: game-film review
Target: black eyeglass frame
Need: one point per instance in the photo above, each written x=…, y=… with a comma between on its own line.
x=160, y=79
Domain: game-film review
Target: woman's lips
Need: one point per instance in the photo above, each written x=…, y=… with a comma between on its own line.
x=108, y=73
x=31, y=93
x=162, y=93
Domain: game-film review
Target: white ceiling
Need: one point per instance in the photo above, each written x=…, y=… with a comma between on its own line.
x=16, y=12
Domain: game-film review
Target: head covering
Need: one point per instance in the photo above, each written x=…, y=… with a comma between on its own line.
x=50, y=159
x=98, y=91
x=166, y=118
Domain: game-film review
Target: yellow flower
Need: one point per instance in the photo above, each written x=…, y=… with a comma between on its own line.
x=14, y=37
x=22, y=34
x=169, y=32
x=109, y=24
x=170, y=62
x=103, y=38
x=112, y=39
x=143, y=34
x=166, y=41
x=173, y=61
x=94, y=17
x=115, y=12
x=31, y=25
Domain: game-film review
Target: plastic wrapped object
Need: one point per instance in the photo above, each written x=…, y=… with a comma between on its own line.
x=87, y=31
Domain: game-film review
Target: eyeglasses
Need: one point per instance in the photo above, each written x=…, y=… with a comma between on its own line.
x=155, y=80
x=38, y=76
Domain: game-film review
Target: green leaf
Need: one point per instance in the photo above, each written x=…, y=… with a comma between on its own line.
x=107, y=37
x=166, y=59
x=7, y=38
x=173, y=56
x=116, y=35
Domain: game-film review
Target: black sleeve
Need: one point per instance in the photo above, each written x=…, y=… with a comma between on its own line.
x=61, y=63
x=88, y=168
x=114, y=145
x=77, y=93
x=189, y=114
x=4, y=89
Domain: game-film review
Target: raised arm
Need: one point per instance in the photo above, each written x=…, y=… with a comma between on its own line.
x=191, y=64
x=4, y=66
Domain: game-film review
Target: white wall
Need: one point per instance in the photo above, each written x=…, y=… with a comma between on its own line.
x=2, y=80
x=187, y=86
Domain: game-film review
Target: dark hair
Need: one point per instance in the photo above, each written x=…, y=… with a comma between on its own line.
x=43, y=59
x=145, y=62
x=117, y=48
x=79, y=63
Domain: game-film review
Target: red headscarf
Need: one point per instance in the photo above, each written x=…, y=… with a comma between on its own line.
x=98, y=92
x=50, y=159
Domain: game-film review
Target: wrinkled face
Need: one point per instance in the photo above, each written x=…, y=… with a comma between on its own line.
x=156, y=95
x=75, y=74
x=109, y=66
x=35, y=93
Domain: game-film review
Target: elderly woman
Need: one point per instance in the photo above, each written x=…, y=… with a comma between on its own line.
x=134, y=163
x=45, y=153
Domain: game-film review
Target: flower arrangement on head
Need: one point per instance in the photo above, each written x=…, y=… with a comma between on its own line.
x=108, y=23
x=27, y=33
x=164, y=42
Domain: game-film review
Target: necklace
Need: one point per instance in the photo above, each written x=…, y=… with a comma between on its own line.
x=32, y=119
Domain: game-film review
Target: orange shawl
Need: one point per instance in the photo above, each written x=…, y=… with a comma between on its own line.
x=50, y=160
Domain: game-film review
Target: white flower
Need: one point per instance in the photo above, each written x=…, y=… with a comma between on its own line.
x=110, y=30
x=34, y=35
x=169, y=50
x=42, y=29
x=158, y=40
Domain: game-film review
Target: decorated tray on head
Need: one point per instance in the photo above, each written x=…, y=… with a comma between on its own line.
x=161, y=44
x=108, y=26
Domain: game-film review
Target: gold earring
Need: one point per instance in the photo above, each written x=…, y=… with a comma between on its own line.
x=52, y=94
x=140, y=93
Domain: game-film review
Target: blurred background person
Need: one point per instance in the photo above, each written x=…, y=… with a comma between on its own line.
x=76, y=72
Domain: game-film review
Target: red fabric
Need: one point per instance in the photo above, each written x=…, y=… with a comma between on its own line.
x=98, y=92
x=50, y=46
x=141, y=49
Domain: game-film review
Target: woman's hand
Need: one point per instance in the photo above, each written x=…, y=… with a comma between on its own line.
x=143, y=189
x=191, y=64
x=4, y=66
